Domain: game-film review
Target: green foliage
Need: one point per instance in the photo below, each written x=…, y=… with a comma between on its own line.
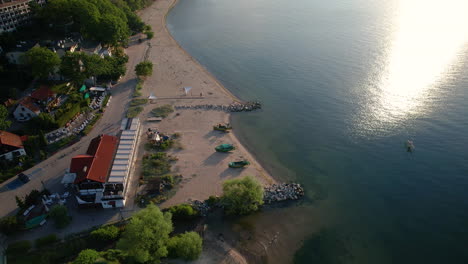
x=87, y=256
x=146, y=236
x=60, y=215
x=99, y=20
x=42, y=60
x=134, y=111
x=213, y=200
x=136, y=102
x=149, y=34
x=9, y=225
x=72, y=67
x=43, y=121
x=46, y=240
x=144, y=68
x=242, y=196
x=113, y=255
x=106, y=233
x=162, y=111
x=32, y=198
x=67, y=112
x=183, y=212
x=187, y=246
x=20, y=203
x=20, y=247
x=4, y=123
x=137, y=94
x=156, y=164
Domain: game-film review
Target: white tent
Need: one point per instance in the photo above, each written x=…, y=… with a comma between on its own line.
x=187, y=89
x=152, y=96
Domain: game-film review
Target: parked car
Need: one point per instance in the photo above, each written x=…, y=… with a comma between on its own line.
x=23, y=177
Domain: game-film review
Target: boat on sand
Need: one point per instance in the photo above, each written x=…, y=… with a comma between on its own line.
x=239, y=164
x=225, y=148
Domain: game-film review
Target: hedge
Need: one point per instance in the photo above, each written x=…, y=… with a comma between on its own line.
x=46, y=240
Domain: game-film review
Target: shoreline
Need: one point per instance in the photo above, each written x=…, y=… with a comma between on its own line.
x=203, y=170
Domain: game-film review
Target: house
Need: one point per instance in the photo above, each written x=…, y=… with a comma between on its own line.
x=26, y=109
x=11, y=146
x=66, y=45
x=14, y=13
x=15, y=56
x=101, y=175
x=94, y=47
x=43, y=95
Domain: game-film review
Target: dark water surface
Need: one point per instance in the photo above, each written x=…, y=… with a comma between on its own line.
x=344, y=84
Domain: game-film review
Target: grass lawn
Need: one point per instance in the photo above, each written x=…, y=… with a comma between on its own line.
x=162, y=111
x=134, y=111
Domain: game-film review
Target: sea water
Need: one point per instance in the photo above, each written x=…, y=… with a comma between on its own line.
x=344, y=84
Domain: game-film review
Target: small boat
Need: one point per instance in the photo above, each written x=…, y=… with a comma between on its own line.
x=409, y=146
x=238, y=164
x=225, y=148
x=223, y=127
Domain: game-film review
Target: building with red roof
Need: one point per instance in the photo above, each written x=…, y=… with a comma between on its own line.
x=11, y=146
x=101, y=175
x=93, y=167
x=43, y=94
x=26, y=109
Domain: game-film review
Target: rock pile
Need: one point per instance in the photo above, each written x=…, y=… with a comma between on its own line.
x=282, y=192
x=234, y=107
x=201, y=206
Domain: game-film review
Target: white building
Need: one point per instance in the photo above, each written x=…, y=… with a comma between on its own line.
x=14, y=13
x=11, y=146
x=26, y=110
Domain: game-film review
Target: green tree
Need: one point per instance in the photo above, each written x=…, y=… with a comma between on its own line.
x=113, y=30
x=87, y=256
x=144, y=68
x=146, y=236
x=187, y=246
x=72, y=67
x=183, y=212
x=9, y=225
x=60, y=215
x=20, y=203
x=242, y=196
x=149, y=34
x=4, y=123
x=42, y=60
x=106, y=233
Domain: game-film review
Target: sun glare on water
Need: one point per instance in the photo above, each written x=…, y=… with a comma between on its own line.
x=427, y=40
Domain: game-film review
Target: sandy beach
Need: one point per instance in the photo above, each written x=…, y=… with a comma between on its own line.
x=202, y=168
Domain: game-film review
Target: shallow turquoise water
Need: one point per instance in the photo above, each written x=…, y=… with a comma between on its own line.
x=344, y=85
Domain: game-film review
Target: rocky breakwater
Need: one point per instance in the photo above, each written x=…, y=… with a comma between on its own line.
x=282, y=192
x=234, y=107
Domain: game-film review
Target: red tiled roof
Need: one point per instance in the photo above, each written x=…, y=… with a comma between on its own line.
x=96, y=164
x=28, y=103
x=10, y=139
x=42, y=93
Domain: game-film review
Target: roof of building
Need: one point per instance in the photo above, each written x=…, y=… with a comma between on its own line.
x=43, y=93
x=10, y=139
x=28, y=103
x=95, y=165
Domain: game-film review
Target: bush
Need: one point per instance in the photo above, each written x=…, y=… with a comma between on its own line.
x=213, y=200
x=46, y=240
x=242, y=196
x=9, y=225
x=113, y=255
x=137, y=94
x=106, y=99
x=183, y=212
x=87, y=256
x=149, y=34
x=136, y=102
x=60, y=215
x=106, y=233
x=162, y=111
x=66, y=113
x=134, y=111
x=20, y=247
x=144, y=68
x=187, y=246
